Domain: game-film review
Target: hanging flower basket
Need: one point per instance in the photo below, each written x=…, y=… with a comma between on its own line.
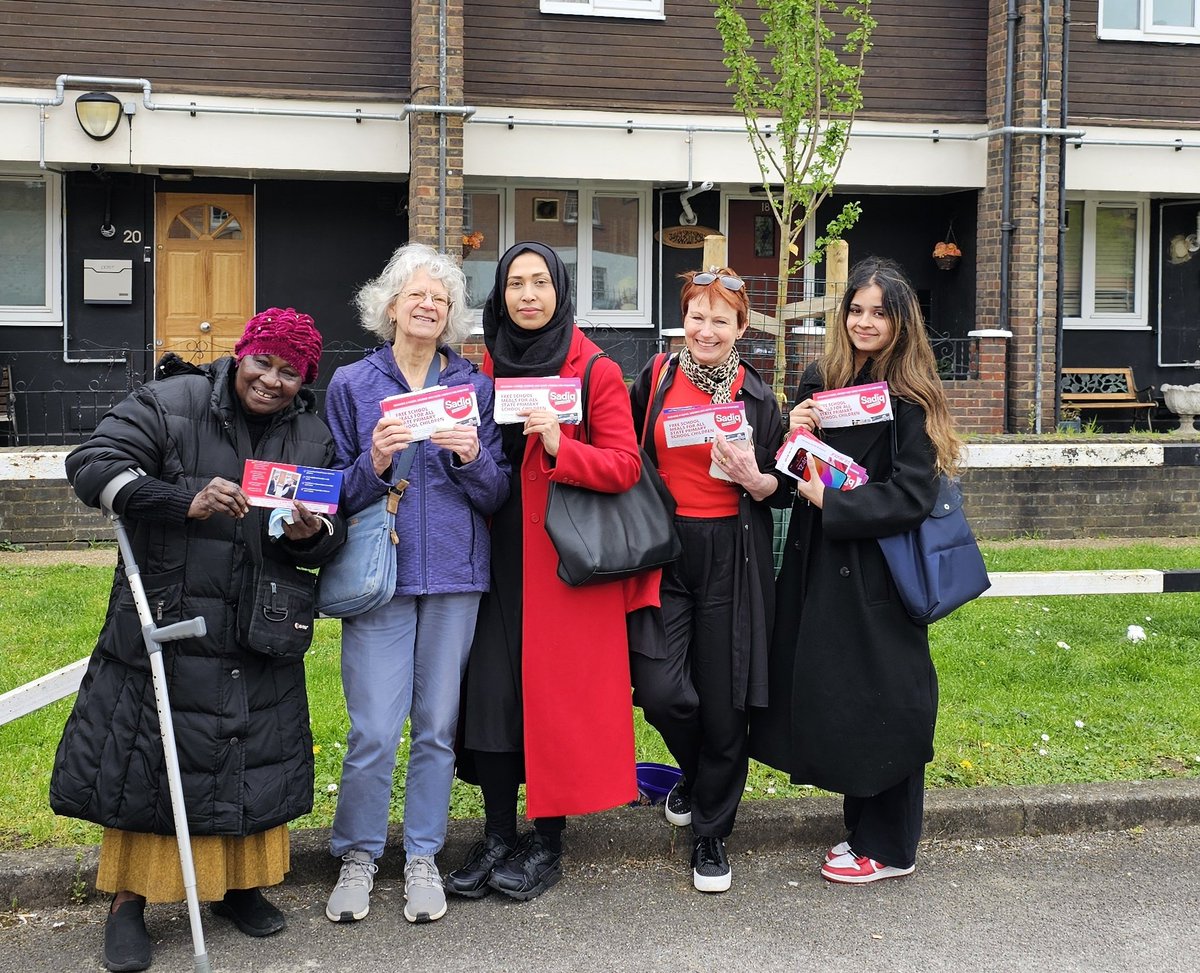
x=947, y=254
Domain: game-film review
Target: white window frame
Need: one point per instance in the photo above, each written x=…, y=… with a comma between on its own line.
x=48, y=314
x=1148, y=31
x=585, y=314
x=628, y=9
x=1089, y=318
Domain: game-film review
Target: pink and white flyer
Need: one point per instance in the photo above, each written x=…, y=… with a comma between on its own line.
x=431, y=409
x=561, y=396
x=858, y=405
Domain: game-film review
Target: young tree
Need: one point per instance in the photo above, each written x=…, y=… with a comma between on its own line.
x=808, y=96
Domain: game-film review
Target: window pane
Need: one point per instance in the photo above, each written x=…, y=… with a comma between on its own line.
x=481, y=223
x=23, y=243
x=1072, y=244
x=1174, y=13
x=541, y=217
x=1121, y=14
x=1116, y=253
x=188, y=225
x=615, y=225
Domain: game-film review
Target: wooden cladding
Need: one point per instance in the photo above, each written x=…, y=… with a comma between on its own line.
x=1129, y=82
x=929, y=59
x=234, y=46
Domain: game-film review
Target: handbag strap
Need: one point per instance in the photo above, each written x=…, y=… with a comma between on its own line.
x=659, y=375
x=583, y=396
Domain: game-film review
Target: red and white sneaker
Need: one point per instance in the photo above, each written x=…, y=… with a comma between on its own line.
x=841, y=848
x=850, y=870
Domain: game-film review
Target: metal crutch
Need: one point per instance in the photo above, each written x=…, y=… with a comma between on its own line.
x=154, y=637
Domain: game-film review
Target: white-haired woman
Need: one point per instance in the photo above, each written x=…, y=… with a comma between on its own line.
x=407, y=657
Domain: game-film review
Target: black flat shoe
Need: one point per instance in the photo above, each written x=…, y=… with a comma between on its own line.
x=250, y=912
x=471, y=880
x=529, y=871
x=126, y=942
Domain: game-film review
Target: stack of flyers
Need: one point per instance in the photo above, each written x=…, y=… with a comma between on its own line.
x=431, y=409
x=691, y=425
x=516, y=395
x=269, y=484
x=836, y=470
x=857, y=405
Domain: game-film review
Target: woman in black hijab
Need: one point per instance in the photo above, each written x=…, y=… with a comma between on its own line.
x=547, y=690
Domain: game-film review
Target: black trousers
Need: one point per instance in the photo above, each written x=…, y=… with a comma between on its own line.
x=686, y=695
x=500, y=776
x=887, y=826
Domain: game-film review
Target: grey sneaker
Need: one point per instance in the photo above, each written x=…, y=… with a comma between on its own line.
x=351, y=897
x=425, y=899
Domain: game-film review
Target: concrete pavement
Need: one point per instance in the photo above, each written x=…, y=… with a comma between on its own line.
x=50, y=877
x=1089, y=902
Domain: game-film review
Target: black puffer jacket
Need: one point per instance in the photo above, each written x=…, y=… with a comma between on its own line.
x=241, y=719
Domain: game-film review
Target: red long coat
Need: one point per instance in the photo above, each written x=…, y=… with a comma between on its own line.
x=578, y=711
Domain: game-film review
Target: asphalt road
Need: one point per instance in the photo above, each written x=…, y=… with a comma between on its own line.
x=1124, y=902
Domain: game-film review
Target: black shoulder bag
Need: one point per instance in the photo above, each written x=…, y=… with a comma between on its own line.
x=608, y=536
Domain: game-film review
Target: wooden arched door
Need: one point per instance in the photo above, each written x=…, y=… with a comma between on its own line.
x=204, y=288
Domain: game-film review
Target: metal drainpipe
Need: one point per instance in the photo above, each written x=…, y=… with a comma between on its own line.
x=442, y=28
x=1039, y=317
x=1060, y=301
x=1006, y=224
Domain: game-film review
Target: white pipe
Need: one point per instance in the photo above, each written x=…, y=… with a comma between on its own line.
x=688, y=216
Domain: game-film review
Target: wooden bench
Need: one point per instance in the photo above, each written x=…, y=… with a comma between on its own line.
x=1106, y=388
x=8, y=402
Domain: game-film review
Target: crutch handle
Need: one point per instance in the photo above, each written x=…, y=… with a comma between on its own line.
x=188, y=629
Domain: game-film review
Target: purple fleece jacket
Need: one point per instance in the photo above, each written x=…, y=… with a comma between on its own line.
x=444, y=542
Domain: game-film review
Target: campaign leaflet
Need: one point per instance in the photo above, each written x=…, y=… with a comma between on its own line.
x=516, y=395
x=858, y=405
x=836, y=470
x=431, y=409
x=690, y=425
x=268, y=484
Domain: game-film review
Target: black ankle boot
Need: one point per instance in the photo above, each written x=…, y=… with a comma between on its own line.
x=126, y=942
x=471, y=880
x=250, y=912
x=529, y=871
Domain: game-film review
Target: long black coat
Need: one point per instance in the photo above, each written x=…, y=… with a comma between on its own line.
x=853, y=691
x=241, y=719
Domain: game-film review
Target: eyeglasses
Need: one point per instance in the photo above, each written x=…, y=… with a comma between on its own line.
x=729, y=283
x=441, y=300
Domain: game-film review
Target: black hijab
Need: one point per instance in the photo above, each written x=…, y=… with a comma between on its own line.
x=514, y=350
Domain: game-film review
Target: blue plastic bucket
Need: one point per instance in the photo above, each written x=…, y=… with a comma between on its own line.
x=656, y=780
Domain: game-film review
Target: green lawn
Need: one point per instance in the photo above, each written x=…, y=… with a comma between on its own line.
x=1033, y=690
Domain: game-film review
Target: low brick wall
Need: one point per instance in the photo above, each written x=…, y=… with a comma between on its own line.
x=1094, y=487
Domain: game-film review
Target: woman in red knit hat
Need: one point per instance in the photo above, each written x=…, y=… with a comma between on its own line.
x=168, y=459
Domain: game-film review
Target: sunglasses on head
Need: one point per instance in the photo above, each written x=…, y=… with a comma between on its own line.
x=729, y=283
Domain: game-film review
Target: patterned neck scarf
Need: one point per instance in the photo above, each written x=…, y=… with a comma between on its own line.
x=716, y=380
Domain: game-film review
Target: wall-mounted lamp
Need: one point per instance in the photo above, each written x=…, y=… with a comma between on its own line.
x=98, y=113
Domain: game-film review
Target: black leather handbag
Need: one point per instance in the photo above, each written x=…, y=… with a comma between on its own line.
x=608, y=536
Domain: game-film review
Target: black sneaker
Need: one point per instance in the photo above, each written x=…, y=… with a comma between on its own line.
x=678, y=808
x=471, y=879
x=250, y=912
x=126, y=942
x=529, y=871
x=710, y=865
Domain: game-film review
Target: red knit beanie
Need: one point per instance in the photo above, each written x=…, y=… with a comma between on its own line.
x=285, y=333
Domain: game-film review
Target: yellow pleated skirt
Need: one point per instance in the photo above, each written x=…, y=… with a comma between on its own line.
x=148, y=864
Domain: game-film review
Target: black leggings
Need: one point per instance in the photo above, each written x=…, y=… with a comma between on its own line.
x=500, y=775
x=887, y=826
